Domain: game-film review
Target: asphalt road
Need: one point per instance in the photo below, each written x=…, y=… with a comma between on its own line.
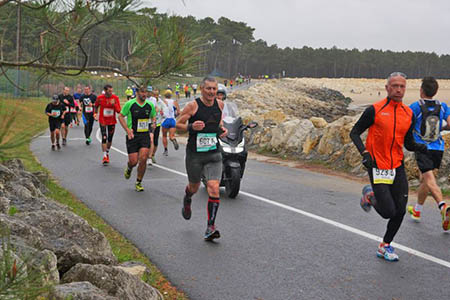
x=292, y=234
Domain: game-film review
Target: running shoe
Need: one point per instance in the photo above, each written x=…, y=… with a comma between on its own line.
x=186, y=211
x=415, y=215
x=53, y=147
x=153, y=159
x=175, y=144
x=105, y=160
x=64, y=142
x=367, y=198
x=71, y=125
x=58, y=146
x=87, y=141
x=386, y=251
x=445, y=212
x=127, y=173
x=139, y=187
x=149, y=162
x=166, y=153
x=211, y=233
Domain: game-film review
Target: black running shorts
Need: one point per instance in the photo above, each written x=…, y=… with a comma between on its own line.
x=54, y=123
x=430, y=161
x=138, y=142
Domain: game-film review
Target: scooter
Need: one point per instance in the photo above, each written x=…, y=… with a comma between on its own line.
x=234, y=150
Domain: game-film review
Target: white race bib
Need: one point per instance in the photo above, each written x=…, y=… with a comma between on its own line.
x=383, y=176
x=108, y=112
x=56, y=113
x=206, y=142
x=73, y=110
x=89, y=109
x=142, y=125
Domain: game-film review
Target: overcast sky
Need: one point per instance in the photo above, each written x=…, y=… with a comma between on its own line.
x=416, y=25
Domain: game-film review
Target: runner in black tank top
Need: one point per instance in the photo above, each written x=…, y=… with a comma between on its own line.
x=211, y=116
x=204, y=123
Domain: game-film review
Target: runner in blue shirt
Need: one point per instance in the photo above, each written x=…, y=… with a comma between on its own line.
x=429, y=115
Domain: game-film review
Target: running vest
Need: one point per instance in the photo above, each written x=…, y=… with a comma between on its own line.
x=430, y=130
x=387, y=134
x=211, y=116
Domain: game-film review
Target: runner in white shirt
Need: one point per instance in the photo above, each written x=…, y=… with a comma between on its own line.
x=168, y=122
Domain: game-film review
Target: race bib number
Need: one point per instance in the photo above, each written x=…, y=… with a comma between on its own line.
x=142, y=125
x=383, y=176
x=206, y=142
x=89, y=109
x=108, y=112
x=56, y=113
x=73, y=110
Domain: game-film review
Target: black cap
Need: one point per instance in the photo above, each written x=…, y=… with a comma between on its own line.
x=55, y=98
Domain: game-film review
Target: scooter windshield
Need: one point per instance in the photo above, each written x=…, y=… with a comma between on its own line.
x=230, y=112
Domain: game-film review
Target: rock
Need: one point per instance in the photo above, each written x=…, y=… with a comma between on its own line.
x=71, y=238
x=113, y=280
x=135, y=268
x=281, y=134
x=311, y=140
x=15, y=164
x=44, y=262
x=276, y=116
x=318, y=122
x=4, y=205
x=6, y=175
x=35, y=204
x=295, y=141
x=82, y=290
x=17, y=227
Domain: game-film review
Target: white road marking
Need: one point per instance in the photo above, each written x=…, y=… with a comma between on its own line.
x=316, y=217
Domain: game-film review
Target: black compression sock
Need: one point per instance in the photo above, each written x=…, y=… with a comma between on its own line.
x=213, y=206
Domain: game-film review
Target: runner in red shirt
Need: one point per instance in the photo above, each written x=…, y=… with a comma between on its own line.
x=108, y=104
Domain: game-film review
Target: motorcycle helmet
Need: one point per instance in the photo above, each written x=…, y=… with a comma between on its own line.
x=221, y=89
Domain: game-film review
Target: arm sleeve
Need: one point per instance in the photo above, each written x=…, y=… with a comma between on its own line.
x=365, y=121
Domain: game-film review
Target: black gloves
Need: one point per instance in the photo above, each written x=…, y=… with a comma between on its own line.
x=367, y=160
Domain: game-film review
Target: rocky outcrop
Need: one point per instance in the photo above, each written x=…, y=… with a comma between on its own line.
x=46, y=238
x=286, y=99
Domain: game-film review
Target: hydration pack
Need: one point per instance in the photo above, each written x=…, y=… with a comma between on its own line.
x=430, y=126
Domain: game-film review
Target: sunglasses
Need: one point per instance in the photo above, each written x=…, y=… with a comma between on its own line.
x=394, y=74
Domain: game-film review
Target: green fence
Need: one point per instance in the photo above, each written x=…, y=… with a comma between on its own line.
x=55, y=84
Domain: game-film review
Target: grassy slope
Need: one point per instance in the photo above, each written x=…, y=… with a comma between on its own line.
x=32, y=120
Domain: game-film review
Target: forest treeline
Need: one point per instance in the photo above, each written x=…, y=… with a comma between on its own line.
x=227, y=48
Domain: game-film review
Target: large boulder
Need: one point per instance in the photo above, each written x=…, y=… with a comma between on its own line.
x=38, y=261
x=82, y=290
x=71, y=238
x=113, y=280
x=17, y=227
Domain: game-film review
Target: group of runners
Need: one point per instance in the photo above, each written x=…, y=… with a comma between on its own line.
x=391, y=126
x=142, y=118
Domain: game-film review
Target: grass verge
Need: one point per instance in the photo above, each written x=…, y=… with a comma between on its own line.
x=29, y=121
